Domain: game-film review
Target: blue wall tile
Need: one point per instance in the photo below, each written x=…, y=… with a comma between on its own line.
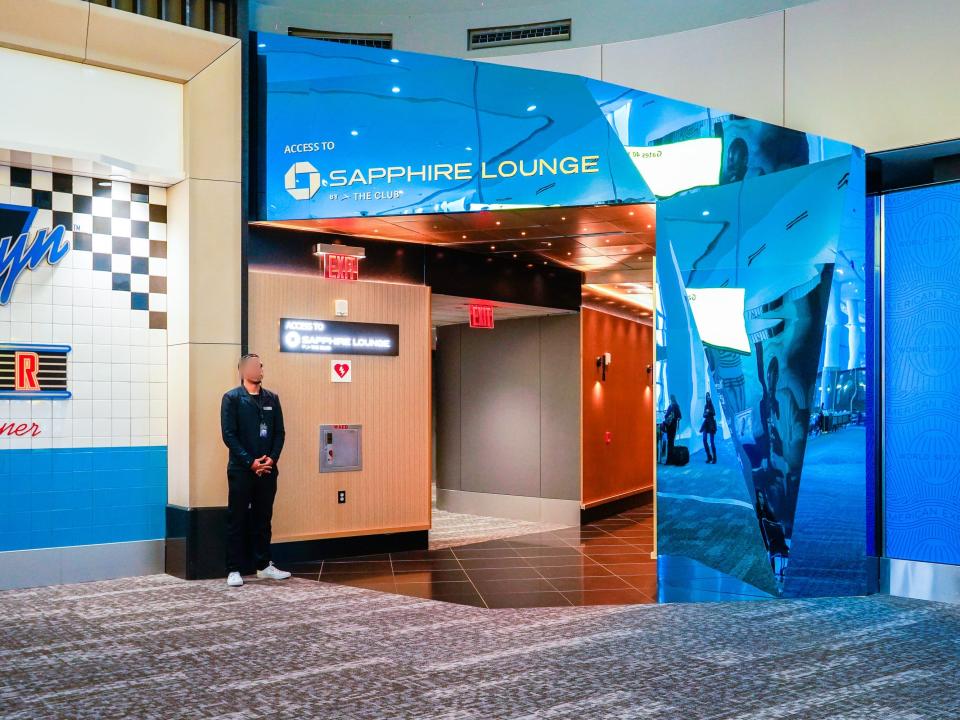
x=79, y=496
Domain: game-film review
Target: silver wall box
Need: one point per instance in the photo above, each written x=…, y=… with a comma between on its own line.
x=341, y=448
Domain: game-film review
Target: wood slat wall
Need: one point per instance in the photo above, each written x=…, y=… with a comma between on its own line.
x=389, y=396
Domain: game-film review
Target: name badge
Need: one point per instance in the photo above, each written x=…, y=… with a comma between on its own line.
x=269, y=407
x=263, y=430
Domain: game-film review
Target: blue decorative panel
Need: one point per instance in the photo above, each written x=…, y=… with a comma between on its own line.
x=761, y=289
x=921, y=285
x=81, y=496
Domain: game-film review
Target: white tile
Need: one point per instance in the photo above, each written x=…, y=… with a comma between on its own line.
x=120, y=300
x=82, y=371
x=82, y=260
x=40, y=294
x=140, y=283
x=83, y=222
x=41, y=180
x=41, y=313
x=82, y=352
x=22, y=196
x=102, y=427
x=82, y=390
x=121, y=372
x=140, y=409
x=157, y=231
x=101, y=372
x=139, y=373
x=102, y=297
x=158, y=266
x=81, y=408
x=140, y=320
x=43, y=219
x=139, y=390
x=102, y=243
x=82, y=297
x=140, y=247
x=62, y=295
x=121, y=263
x=63, y=202
x=20, y=332
x=120, y=190
x=82, y=185
x=121, y=227
x=158, y=301
x=102, y=207
x=121, y=354
x=139, y=211
x=102, y=281
x=158, y=373
x=120, y=408
x=101, y=390
x=158, y=355
x=40, y=409
x=120, y=317
x=158, y=426
x=4, y=175
x=139, y=425
x=101, y=409
x=158, y=195
x=82, y=427
x=62, y=334
x=41, y=332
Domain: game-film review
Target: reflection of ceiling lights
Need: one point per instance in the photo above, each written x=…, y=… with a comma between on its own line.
x=673, y=167
x=638, y=298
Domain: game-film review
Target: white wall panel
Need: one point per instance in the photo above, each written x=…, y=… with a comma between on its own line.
x=877, y=73
x=584, y=61
x=735, y=67
x=67, y=109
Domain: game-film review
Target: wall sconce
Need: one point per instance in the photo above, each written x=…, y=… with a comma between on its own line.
x=603, y=362
x=649, y=373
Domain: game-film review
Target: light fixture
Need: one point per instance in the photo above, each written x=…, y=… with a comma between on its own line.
x=261, y=45
x=354, y=133
x=523, y=232
x=395, y=89
x=498, y=222
x=562, y=218
x=464, y=237
x=705, y=213
x=531, y=108
x=630, y=213
x=394, y=60
x=603, y=362
x=493, y=247
x=468, y=148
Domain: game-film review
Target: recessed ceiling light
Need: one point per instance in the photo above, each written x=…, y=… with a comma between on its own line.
x=493, y=247
x=354, y=133
x=569, y=253
x=562, y=218
x=514, y=254
x=631, y=212
x=464, y=237
x=394, y=89
x=649, y=226
x=523, y=232
x=531, y=108
x=394, y=60
x=705, y=213
x=498, y=222
x=468, y=148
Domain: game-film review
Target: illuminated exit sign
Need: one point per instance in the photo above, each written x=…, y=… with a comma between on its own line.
x=339, y=262
x=341, y=267
x=481, y=316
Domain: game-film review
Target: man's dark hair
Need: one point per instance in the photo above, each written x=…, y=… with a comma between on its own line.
x=247, y=356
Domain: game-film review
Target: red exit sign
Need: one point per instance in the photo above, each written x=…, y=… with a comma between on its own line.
x=481, y=316
x=341, y=267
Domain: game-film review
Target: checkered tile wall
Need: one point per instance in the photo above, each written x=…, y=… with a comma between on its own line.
x=122, y=226
x=106, y=299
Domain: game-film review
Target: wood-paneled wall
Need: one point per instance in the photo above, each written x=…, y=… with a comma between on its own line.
x=389, y=396
x=621, y=405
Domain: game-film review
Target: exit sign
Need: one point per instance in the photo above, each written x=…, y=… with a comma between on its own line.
x=341, y=267
x=481, y=316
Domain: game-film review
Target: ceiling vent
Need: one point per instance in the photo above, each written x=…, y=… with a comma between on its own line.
x=480, y=38
x=375, y=40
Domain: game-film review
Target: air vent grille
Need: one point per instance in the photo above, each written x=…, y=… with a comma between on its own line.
x=376, y=40
x=553, y=31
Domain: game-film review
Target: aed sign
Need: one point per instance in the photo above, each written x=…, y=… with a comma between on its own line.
x=338, y=337
x=341, y=371
x=31, y=372
x=481, y=316
x=340, y=267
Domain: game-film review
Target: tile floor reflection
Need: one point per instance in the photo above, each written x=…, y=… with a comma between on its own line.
x=604, y=563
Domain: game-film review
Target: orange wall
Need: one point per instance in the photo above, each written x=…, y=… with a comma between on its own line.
x=622, y=405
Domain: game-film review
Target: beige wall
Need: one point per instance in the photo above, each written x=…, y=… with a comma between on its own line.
x=876, y=73
x=389, y=397
x=204, y=283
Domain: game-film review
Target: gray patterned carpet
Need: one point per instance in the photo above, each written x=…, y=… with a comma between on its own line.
x=157, y=647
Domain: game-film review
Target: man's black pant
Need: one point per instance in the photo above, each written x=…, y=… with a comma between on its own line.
x=249, y=513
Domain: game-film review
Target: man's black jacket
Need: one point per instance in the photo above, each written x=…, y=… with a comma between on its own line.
x=240, y=416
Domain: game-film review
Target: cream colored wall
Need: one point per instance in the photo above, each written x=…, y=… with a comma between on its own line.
x=876, y=73
x=204, y=219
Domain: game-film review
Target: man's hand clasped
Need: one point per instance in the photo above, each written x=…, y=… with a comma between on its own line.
x=262, y=466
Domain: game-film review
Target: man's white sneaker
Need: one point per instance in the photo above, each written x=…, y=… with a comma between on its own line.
x=234, y=579
x=271, y=572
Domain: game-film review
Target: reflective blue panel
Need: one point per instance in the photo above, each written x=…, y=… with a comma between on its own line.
x=760, y=324
x=921, y=243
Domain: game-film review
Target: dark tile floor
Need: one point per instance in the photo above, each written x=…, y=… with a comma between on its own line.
x=605, y=563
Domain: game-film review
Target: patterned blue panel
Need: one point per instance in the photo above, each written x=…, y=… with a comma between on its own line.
x=922, y=374
x=81, y=496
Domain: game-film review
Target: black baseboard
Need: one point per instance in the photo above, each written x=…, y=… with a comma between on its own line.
x=608, y=509
x=196, y=544
x=196, y=547
x=311, y=550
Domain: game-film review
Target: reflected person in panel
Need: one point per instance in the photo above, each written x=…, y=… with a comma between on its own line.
x=251, y=423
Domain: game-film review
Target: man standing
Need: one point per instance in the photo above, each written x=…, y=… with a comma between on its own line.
x=252, y=426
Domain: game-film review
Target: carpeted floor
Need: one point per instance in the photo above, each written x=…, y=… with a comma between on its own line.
x=158, y=647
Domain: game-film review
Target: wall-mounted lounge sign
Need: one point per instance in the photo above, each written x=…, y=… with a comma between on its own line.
x=326, y=337
x=351, y=131
x=33, y=372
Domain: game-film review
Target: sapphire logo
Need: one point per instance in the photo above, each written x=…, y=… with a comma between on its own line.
x=24, y=252
x=293, y=175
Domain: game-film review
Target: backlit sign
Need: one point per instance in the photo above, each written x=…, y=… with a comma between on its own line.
x=341, y=267
x=481, y=316
x=31, y=372
x=343, y=338
x=20, y=252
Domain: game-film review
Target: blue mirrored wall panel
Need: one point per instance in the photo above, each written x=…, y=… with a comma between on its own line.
x=921, y=345
x=761, y=340
x=349, y=131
